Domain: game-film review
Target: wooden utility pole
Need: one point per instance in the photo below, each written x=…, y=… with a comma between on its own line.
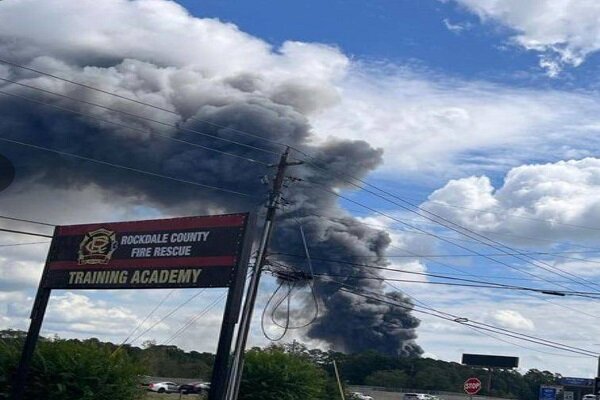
x=339, y=382
x=242, y=336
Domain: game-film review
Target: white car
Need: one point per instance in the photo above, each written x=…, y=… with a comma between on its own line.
x=163, y=387
x=589, y=397
x=360, y=396
x=418, y=396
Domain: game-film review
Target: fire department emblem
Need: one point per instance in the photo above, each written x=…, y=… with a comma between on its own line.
x=97, y=247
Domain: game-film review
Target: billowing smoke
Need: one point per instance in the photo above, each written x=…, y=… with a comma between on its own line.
x=208, y=71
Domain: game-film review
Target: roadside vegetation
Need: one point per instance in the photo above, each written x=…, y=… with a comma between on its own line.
x=93, y=370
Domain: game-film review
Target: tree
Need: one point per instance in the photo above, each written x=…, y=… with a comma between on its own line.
x=272, y=374
x=70, y=369
x=393, y=378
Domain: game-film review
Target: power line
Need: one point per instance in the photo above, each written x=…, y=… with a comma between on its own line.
x=460, y=230
x=126, y=113
x=395, y=229
x=140, y=171
x=26, y=220
x=449, y=255
x=22, y=244
x=173, y=311
x=246, y=133
x=466, y=321
x=441, y=238
x=25, y=233
x=162, y=301
x=125, y=126
x=191, y=322
x=439, y=276
x=11, y=63
x=483, y=285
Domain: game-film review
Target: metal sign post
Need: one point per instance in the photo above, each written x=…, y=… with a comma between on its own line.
x=192, y=252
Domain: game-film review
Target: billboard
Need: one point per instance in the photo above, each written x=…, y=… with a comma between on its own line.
x=482, y=360
x=570, y=381
x=165, y=253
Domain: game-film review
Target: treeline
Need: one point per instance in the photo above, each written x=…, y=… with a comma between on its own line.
x=91, y=369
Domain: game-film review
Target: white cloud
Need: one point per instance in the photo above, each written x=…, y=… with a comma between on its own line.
x=513, y=320
x=423, y=121
x=456, y=28
x=564, y=32
x=427, y=123
x=551, y=201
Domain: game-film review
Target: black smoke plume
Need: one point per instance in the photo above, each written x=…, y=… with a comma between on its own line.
x=229, y=104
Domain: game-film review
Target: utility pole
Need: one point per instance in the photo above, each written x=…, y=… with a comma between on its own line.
x=597, y=381
x=244, y=328
x=339, y=381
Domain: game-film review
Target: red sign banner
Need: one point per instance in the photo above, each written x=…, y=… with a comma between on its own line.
x=472, y=386
x=165, y=253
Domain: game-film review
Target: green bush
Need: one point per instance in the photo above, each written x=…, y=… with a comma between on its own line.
x=272, y=374
x=70, y=369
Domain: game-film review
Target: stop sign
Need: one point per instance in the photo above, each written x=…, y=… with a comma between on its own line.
x=472, y=386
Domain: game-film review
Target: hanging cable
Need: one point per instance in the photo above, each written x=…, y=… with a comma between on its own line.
x=461, y=320
x=140, y=171
x=25, y=233
x=446, y=240
x=90, y=87
x=132, y=128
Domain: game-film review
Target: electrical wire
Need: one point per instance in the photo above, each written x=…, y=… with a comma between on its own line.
x=590, y=249
x=249, y=134
x=26, y=220
x=162, y=301
x=444, y=239
x=461, y=230
x=132, y=128
x=483, y=285
x=90, y=87
x=188, y=324
x=465, y=321
x=173, y=311
x=22, y=244
x=285, y=327
x=25, y=233
x=140, y=171
x=137, y=116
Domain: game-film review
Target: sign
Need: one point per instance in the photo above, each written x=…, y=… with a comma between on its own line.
x=163, y=253
x=472, y=386
x=569, y=381
x=482, y=360
x=548, y=392
x=568, y=395
x=207, y=251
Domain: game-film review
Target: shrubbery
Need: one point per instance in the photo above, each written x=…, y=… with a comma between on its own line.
x=70, y=369
x=273, y=374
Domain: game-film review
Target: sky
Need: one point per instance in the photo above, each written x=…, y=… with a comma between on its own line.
x=480, y=112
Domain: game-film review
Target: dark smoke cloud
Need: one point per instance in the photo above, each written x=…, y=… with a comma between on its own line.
x=237, y=101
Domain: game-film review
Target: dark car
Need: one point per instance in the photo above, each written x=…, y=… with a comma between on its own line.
x=194, y=387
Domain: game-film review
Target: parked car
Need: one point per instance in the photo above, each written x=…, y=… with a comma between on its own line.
x=418, y=396
x=359, y=396
x=194, y=387
x=163, y=387
x=589, y=397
